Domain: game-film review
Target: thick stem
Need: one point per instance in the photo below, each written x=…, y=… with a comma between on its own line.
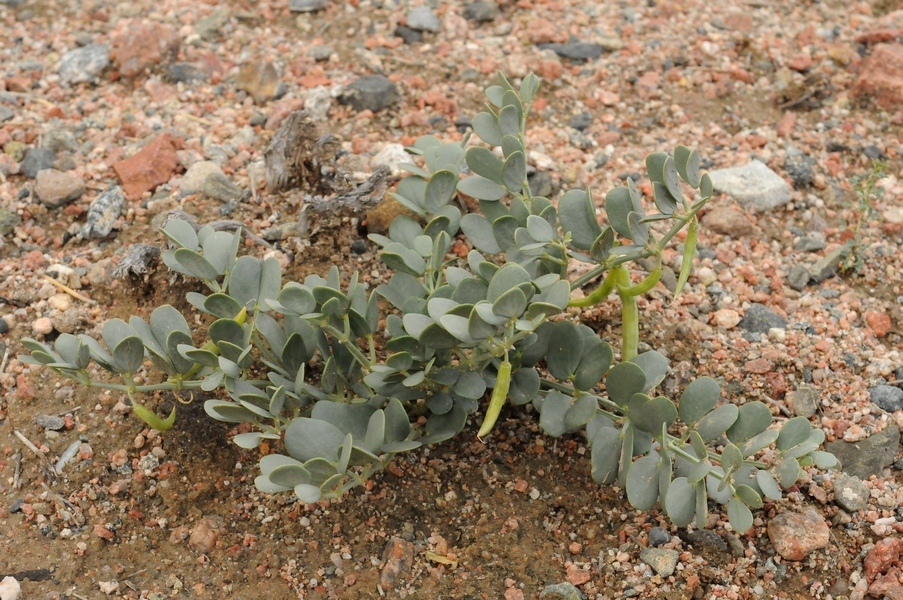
x=630, y=318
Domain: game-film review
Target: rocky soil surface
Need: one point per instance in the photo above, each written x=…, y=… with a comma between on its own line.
x=114, y=113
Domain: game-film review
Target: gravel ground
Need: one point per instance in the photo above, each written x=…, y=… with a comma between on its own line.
x=112, y=114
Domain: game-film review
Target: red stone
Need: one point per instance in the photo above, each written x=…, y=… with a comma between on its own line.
x=142, y=46
x=800, y=62
x=758, y=366
x=878, y=322
x=883, y=34
x=648, y=85
x=882, y=77
x=883, y=556
x=151, y=166
x=576, y=575
x=786, y=124
x=104, y=533
x=399, y=557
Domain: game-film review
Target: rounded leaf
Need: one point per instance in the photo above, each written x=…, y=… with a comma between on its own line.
x=793, y=432
x=739, y=515
x=606, y=448
x=698, y=399
x=680, y=502
x=485, y=163
x=623, y=381
x=642, y=483
x=651, y=415
x=752, y=419
x=717, y=422
x=440, y=190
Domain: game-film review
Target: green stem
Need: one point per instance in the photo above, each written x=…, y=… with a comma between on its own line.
x=554, y=385
x=630, y=318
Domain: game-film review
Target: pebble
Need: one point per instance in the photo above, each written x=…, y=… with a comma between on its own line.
x=208, y=28
x=574, y=50
x=65, y=275
x=850, y=493
x=219, y=187
x=887, y=397
x=56, y=189
x=705, y=539
x=408, y=35
x=729, y=221
x=795, y=536
x=42, y=326
x=84, y=65
x=10, y=588
x=803, y=401
x=318, y=103
x=320, y=53
x=867, y=457
x=205, y=534
x=398, y=556
x=661, y=560
x=8, y=221
x=799, y=167
x=151, y=166
x=60, y=140
x=561, y=591
x=260, y=79
x=884, y=555
x=391, y=155
x=184, y=72
x=37, y=160
x=659, y=536
x=422, y=18
x=759, y=319
x=305, y=6
x=828, y=266
x=195, y=177
x=581, y=121
x=880, y=76
x=6, y=114
x=726, y=318
x=754, y=185
x=370, y=92
x=482, y=11
x=810, y=243
x=103, y=213
x=143, y=45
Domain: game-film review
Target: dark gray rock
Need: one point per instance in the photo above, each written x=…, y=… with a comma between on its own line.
x=540, y=183
x=810, y=243
x=8, y=221
x=560, y=591
x=138, y=260
x=869, y=456
x=798, y=278
x=581, y=121
x=850, y=493
x=59, y=140
x=219, y=187
x=37, y=159
x=659, y=536
x=705, y=539
x=185, y=72
x=482, y=11
x=358, y=247
x=828, y=266
x=759, y=319
x=4, y=327
x=754, y=185
x=887, y=397
x=51, y=422
x=574, y=50
x=422, y=18
x=662, y=561
x=84, y=65
x=306, y=6
x=370, y=92
x=103, y=212
x=408, y=35
x=799, y=168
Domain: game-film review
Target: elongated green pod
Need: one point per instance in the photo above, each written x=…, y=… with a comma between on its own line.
x=497, y=401
x=689, y=251
x=151, y=418
x=642, y=287
x=630, y=316
x=599, y=294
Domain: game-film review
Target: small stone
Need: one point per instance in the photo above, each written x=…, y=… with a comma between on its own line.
x=260, y=79
x=209, y=27
x=65, y=275
x=390, y=156
x=184, y=72
x=581, y=121
x=754, y=185
x=51, y=422
x=422, y=18
x=42, y=326
x=151, y=166
x=370, y=92
x=659, y=536
x=10, y=588
x=705, y=539
x=803, y=401
x=881, y=76
x=320, y=53
x=828, y=266
x=219, y=187
x=59, y=140
x=84, y=65
x=879, y=322
x=850, y=493
x=795, y=536
x=56, y=189
x=759, y=319
x=574, y=50
x=205, y=534
x=887, y=397
x=408, y=35
x=108, y=587
x=561, y=591
x=8, y=221
x=482, y=11
x=799, y=167
x=306, y=6
x=810, y=243
x=358, y=247
x=540, y=183
x=729, y=221
x=143, y=46
x=318, y=103
x=6, y=114
x=662, y=561
x=194, y=178
x=577, y=576
x=726, y=318
x=884, y=555
x=37, y=160
x=867, y=457
x=103, y=213
x=399, y=557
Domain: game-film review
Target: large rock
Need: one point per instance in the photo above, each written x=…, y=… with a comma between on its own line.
x=867, y=457
x=754, y=185
x=151, y=166
x=142, y=46
x=84, y=65
x=55, y=188
x=881, y=77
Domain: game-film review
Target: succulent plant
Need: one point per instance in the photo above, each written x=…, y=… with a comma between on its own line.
x=346, y=397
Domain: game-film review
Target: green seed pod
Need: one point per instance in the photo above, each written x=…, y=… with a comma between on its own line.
x=499, y=395
x=689, y=251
